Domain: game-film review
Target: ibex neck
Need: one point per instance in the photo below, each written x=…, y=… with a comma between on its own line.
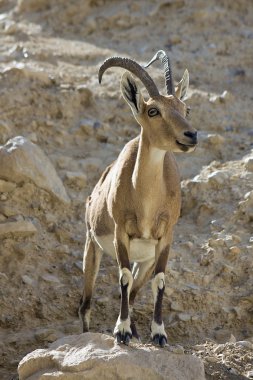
x=148, y=170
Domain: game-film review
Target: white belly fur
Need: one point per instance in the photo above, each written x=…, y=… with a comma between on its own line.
x=140, y=249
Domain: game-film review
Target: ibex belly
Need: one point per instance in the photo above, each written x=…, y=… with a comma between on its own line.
x=143, y=233
x=140, y=249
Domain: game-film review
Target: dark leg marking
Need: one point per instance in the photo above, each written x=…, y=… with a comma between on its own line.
x=158, y=306
x=124, y=310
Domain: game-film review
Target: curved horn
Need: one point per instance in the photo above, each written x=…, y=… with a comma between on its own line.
x=167, y=70
x=134, y=68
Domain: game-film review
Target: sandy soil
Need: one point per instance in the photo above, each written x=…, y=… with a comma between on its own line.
x=49, y=93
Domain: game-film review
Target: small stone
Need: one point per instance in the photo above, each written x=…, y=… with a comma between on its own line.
x=236, y=239
x=48, y=335
x=175, y=306
x=216, y=243
x=249, y=165
x=3, y=275
x=76, y=179
x=10, y=27
x=250, y=374
x=91, y=164
x=211, y=359
x=24, y=228
x=50, y=278
x=102, y=301
x=184, y=317
x=217, y=178
x=2, y=218
x=245, y=344
x=232, y=339
x=222, y=335
x=219, y=349
x=233, y=371
x=79, y=265
x=5, y=131
x=89, y=126
x=27, y=280
x=199, y=347
x=72, y=328
x=215, y=139
x=234, y=250
x=6, y=186
x=177, y=349
x=216, y=99
x=7, y=210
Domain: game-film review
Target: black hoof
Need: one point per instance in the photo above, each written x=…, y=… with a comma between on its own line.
x=123, y=338
x=159, y=340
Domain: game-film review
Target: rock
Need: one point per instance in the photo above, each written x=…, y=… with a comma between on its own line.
x=23, y=227
x=245, y=344
x=224, y=97
x=217, y=178
x=6, y=187
x=32, y=5
x=21, y=160
x=76, y=179
x=93, y=356
x=27, y=280
x=219, y=348
x=5, y=132
x=184, y=317
x=249, y=165
x=91, y=164
x=176, y=306
x=211, y=359
x=7, y=210
x=234, y=250
x=50, y=278
x=48, y=335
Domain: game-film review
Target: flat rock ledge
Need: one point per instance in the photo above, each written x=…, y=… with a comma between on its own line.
x=97, y=356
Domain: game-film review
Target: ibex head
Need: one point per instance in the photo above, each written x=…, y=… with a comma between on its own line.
x=163, y=118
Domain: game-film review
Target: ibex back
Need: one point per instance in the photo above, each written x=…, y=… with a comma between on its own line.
x=132, y=210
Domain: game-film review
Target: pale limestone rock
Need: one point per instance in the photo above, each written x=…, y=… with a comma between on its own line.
x=5, y=131
x=22, y=227
x=6, y=186
x=21, y=160
x=96, y=356
x=76, y=179
x=245, y=344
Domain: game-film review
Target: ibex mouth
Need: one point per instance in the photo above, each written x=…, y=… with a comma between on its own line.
x=186, y=147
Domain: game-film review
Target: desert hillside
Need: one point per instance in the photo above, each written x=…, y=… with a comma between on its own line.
x=59, y=129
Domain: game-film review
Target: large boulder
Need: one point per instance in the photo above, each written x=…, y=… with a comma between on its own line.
x=98, y=356
x=21, y=160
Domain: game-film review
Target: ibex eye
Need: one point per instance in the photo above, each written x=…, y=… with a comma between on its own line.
x=188, y=110
x=153, y=112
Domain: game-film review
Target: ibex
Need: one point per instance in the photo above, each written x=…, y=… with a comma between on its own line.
x=132, y=210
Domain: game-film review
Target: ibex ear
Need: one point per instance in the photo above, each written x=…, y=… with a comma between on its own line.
x=132, y=93
x=182, y=87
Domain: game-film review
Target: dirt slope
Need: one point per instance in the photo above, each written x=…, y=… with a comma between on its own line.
x=49, y=94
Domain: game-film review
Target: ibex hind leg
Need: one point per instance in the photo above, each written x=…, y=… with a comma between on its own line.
x=91, y=263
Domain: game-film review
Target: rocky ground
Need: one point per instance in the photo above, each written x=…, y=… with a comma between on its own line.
x=70, y=128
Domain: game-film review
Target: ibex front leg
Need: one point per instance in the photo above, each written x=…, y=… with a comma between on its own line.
x=122, y=330
x=158, y=333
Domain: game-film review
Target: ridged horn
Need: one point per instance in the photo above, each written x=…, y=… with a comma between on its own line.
x=167, y=70
x=134, y=68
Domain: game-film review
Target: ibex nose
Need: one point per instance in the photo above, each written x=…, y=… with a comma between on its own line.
x=192, y=135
